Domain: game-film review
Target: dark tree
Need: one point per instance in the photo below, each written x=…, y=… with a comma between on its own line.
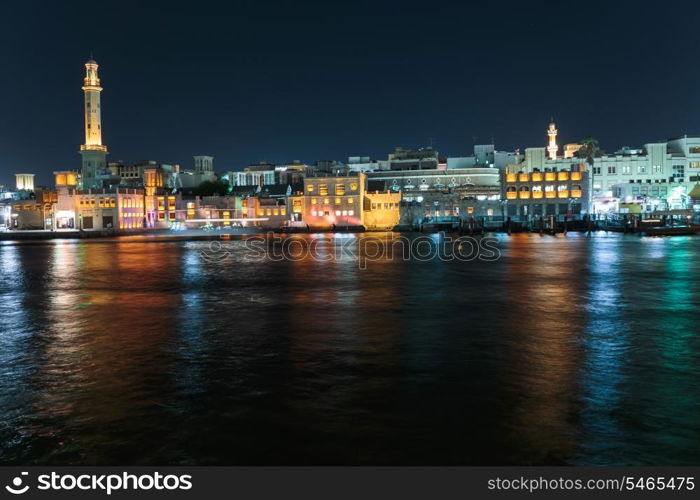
x=210, y=188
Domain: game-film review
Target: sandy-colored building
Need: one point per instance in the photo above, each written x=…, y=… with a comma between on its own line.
x=381, y=211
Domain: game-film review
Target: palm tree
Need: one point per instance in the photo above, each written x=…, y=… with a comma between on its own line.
x=589, y=151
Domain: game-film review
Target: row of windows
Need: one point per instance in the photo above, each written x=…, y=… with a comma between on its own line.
x=546, y=176
x=323, y=188
x=272, y=211
x=550, y=191
x=455, y=211
x=338, y=213
x=31, y=207
x=327, y=201
x=627, y=170
x=101, y=202
x=653, y=190
x=387, y=206
x=547, y=187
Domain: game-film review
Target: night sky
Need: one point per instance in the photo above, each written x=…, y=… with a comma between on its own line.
x=277, y=81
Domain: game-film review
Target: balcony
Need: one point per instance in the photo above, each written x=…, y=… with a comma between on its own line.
x=576, y=193
x=564, y=193
x=537, y=177
x=511, y=177
x=575, y=176
x=550, y=176
x=563, y=176
x=523, y=177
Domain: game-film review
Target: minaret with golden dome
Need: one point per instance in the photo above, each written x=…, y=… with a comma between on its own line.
x=552, y=148
x=94, y=153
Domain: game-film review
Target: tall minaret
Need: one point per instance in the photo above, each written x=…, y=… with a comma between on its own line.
x=94, y=153
x=552, y=148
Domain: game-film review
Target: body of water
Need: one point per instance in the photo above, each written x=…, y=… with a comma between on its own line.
x=565, y=350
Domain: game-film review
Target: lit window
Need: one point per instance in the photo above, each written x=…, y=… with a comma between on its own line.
x=338, y=201
x=353, y=187
x=310, y=188
x=337, y=213
x=323, y=189
x=351, y=212
x=340, y=189
x=351, y=200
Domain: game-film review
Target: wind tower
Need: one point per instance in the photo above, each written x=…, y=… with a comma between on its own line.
x=94, y=153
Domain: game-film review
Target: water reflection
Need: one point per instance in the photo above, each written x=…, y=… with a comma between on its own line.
x=568, y=350
x=543, y=326
x=606, y=344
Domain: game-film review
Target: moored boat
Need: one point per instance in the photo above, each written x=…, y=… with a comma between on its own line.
x=681, y=230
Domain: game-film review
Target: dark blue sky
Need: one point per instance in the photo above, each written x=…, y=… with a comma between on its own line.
x=256, y=80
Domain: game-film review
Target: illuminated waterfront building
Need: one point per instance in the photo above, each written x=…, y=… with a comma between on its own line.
x=381, y=209
x=93, y=152
x=461, y=193
x=660, y=164
x=344, y=201
x=328, y=202
x=119, y=208
x=646, y=198
x=31, y=213
x=96, y=209
x=536, y=188
x=273, y=210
